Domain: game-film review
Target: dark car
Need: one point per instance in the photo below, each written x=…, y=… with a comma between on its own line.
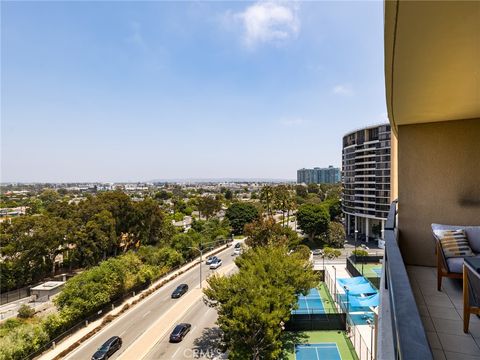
x=211, y=259
x=238, y=245
x=179, y=291
x=108, y=348
x=179, y=332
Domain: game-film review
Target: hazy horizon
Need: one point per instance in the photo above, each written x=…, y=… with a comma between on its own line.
x=135, y=91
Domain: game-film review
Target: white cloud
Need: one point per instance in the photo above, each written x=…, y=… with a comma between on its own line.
x=343, y=89
x=269, y=22
x=293, y=122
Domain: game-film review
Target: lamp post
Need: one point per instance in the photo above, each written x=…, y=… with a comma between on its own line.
x=356, y=233
x=348, y=301
x=335, y=283
x=199, y=249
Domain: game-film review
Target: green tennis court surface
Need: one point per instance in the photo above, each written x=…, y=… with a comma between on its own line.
x=369, y=269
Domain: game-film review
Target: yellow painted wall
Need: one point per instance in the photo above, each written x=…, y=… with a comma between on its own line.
x=438, y=182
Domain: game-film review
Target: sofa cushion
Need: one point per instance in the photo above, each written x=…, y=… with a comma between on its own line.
x=455, y=264
x=454, y=243
x=473, y=233
x=473, y=236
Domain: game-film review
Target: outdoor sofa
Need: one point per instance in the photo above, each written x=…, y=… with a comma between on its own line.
x=451, y=248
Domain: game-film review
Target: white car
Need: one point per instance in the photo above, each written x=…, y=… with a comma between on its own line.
x=237, y=251
x=216, y=264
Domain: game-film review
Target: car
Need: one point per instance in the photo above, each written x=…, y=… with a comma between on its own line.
x=211, y=259
x=108, y=348
x=237, y=252
x=317, y=252
x=216, y=264
x=179, y=291
x=238, y=245
x=179, y=332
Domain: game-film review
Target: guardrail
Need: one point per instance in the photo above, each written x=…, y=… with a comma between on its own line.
x=407, y=331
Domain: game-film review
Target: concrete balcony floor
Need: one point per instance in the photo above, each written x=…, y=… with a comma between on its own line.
x=442, y=314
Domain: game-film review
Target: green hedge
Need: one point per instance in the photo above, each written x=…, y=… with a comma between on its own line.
x=83, y=295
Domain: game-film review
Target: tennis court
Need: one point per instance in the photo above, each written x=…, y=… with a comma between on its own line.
x=323, y=351
x=310, y=304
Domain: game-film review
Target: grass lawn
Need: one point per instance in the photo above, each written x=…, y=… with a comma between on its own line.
x=327, y=300
x=368, y=269
x=345, y=347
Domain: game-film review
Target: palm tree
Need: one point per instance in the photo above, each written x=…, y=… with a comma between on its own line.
x=267, y=198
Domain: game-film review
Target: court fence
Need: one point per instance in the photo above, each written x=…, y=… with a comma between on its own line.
x=353, y=270
x=328, y=320
x=365, y=349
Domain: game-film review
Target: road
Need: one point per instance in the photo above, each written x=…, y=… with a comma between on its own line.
x=135, y=322
x=202, y=342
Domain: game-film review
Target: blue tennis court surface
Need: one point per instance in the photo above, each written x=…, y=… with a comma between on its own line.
x=378, y=271
x=323, y=351
x=310, y=304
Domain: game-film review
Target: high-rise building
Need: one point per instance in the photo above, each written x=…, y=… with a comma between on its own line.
x=366, y=180
x=330, y=175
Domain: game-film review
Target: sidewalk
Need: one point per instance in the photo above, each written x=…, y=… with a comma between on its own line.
x=77, y=336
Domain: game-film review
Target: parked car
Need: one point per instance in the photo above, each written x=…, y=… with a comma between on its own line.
x=179, y=291
x=108, y=348
x=237, y=251
x=211, y=259
x=179, y=332
x=317, y=252
x=216, y=264
x=238, y=245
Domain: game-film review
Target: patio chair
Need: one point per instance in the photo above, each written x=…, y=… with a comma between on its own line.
x=471, y=291
x=452, y=266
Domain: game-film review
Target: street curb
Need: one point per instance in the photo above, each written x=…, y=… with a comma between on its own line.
x=108, y=318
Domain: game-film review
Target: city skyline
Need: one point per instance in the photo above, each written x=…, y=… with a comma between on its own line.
x=142, y=91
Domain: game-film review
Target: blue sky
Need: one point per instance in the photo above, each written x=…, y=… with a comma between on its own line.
x=134, y=91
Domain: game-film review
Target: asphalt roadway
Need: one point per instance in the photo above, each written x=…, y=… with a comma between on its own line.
x=144, y=315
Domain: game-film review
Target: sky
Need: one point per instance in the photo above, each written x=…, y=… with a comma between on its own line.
x=136, y=91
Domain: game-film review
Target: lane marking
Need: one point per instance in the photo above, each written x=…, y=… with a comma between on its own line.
x=148, y=312
x=174, y=356
x=123, y=333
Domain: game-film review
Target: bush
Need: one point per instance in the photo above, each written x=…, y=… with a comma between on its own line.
x=25, y=311
x=360, y=252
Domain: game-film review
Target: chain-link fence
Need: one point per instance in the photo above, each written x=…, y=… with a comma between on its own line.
x=361, y=336
x=115, y=303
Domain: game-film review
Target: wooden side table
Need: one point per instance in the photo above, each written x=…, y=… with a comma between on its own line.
x=471, y=289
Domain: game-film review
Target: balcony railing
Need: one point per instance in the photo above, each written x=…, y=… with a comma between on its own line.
x=401, y=333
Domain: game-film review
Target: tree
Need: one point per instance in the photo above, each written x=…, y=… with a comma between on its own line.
x=240, y=214
x=303, y=251
x=228, y=194
x=208, y=206
x=330, y=253
x=264, y=232
x=301, y=191
x=25, y=311
x=253, y=303
x=336, y=234
x=282, y=200
x=313, y=220
x=334, y=208
x=313, y=188
x=267, y=198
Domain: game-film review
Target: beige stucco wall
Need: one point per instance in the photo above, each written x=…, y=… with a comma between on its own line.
x=438, y=182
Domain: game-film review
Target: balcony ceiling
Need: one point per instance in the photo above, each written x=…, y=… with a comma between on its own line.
x=432, y=61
